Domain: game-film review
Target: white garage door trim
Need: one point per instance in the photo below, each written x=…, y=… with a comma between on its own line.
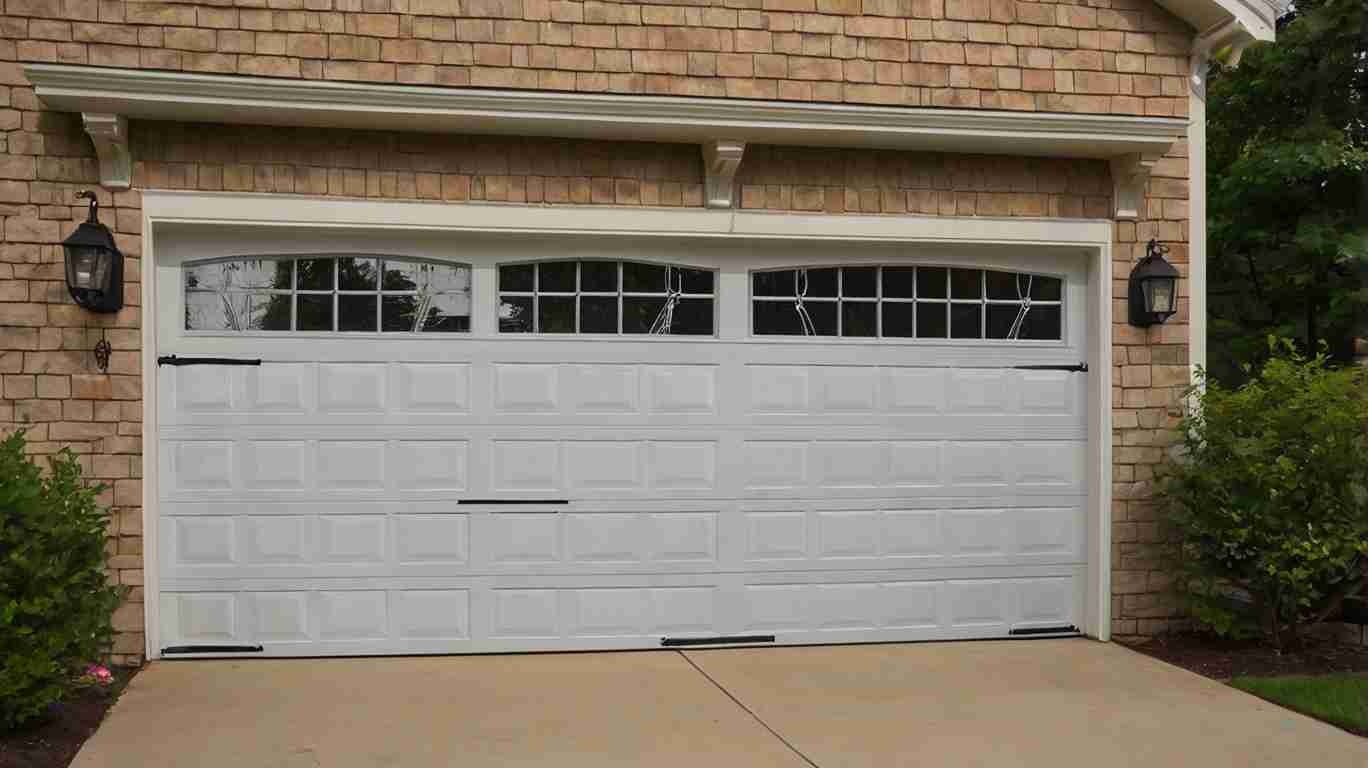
x=1092, y=238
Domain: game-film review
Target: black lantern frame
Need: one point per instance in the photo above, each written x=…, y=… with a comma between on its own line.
x=94, y=265
x=1153, y=288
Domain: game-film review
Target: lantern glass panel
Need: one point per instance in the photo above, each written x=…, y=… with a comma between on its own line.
x=1159, y=295
x=88, y=268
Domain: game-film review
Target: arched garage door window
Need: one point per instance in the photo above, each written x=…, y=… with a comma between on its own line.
x=907, y=303
x=343, y=293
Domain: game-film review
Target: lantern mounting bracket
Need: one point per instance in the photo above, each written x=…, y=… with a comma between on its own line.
x=109, y=134
x=1130, y=173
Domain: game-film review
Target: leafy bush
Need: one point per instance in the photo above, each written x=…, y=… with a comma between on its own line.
x=1269, y=497
x=56, y=602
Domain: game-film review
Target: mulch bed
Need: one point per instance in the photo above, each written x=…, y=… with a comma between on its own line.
x=54, y=741
x=1223, y=659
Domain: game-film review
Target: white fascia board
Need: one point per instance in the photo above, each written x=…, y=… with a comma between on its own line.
x=263, y=209
x=1257, y=18
x=153, y=95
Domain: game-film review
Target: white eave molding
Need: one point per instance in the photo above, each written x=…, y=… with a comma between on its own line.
x=721, y=127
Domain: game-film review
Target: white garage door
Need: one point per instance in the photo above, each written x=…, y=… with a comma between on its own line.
x=470, y=445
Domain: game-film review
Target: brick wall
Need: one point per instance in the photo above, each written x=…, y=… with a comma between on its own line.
x=1062, y=54
x=1101, y=56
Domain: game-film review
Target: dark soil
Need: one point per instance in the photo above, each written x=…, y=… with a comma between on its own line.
x=53, y=741
x=1223, y=659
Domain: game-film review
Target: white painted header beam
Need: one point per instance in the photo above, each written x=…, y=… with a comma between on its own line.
x=721, y=127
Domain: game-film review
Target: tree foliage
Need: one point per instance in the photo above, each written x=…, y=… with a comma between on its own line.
x=56, y=602
x=1288, y=188
x=1269, y=496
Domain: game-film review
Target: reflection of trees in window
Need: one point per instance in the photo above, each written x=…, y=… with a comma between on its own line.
x=335, y=293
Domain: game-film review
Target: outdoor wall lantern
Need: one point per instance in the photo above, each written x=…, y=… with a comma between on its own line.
x=94, y=266
x=1153, y=288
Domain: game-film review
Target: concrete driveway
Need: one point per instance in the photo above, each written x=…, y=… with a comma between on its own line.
x=1055, y=703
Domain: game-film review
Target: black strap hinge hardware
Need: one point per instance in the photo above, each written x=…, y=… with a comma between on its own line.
x=507, y=502
x=176, y=649
x=1079, y=368
x=1067, y=629
x=173, y=360
x=684, y=642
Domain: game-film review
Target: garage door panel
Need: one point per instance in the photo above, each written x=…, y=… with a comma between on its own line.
x=371, y=394
x=343, y=616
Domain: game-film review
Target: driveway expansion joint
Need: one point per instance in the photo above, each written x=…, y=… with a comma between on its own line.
x=749, y=711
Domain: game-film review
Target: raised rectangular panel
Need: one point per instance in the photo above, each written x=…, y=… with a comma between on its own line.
x=279, y=539
x=525, y=613
x=914, y=390
x=1048, y=391
x=433, y=388
x=351, y=387
x=522, y=388
x=431, y=538
x=523, y=538
x=423, y=613
x=779, y=388
x=914, y=464
x=682, y=609
x=351, y=465
x=678, y=466
x=202, y=465
x=848, y=534
x=351, y=538
x=352, y=614
x=776, y=464
x=978, y=391
x=1048, y=531
x=976, y=603
x=603, y=466
x=909, y=605
x=1042, y=600
x=847, y=390
x=207, y=616
x=604, y=389
x=278, y=388
x=608, y=612
x=203, y=390
x=975, y=532
x=1057, y=464
x=776, y=535
x=850, y=463
x=776, y=607
x=844, y=606
x=683, y=536
x=605, y=538
x=681, y=388
x=981, y=463
x=526, y=465
x=430, y=465
x=204, y=540
x=276, y=465
x=911, y=533
x=279, y=616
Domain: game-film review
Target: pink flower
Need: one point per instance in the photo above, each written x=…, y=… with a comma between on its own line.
x=99, y=674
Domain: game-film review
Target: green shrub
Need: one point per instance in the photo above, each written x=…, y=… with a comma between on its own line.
x=56, y=603
x=1268, y=497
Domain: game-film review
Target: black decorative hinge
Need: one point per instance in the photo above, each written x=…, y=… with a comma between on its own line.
x=173, y=360
x=177, y=649
x=1067, y=629
x=1079, y=368
x=684, y=642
